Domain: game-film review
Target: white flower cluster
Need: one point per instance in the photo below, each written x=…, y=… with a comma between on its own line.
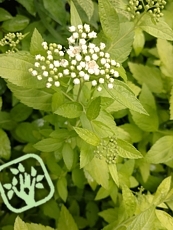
x=82, y=61
x=12, y=40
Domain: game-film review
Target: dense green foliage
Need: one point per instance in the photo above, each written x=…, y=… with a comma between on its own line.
x=106, y=141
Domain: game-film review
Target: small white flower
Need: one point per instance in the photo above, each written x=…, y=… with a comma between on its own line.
x=55, y=77
x=107, y=76
x=44, y=43
x=99, y=88
x=45, y=73
x=118, y=65
x=82, y=41
x=50, y=57
x=91, y=45
x=34, y=72
x=91, y=51
x=86, y=77
x=72, y=67
x=72, y=28
x=59, y=47
x=111, y=80
x=116, y=74
x=94, y=83
x=78, y=57
x=75, y=35
x=80, y=27
x=90, y=71
x=83, y=35
x=73, y=75
x=97, y=71
x=42, y=58
x=76, y=81
x=92, y=34
x=57, y=83
x=107, y=66
x=96, y=49
x=49, y=52
x=102, y=46
x=103, y=61
x=56, y=63
x=39, y=77
x=60, y=75
x=61, y=53
x=94, y=57
x=79, y=67
x=101, y=80
x=110, y=86
x=43, y=67
x=84, y=47
x=87, y=58
x=55, y=70
x=37, y=64
x=112, y=71
x=71, y=40
x=107, y=55
x=48, y=85
x=50, y=79
x=38, y=57
x=113, y=62
x=102, y=71
x=64, y=63
x=87, y=28
x=51, y=66
x=66, y=72
x=81, y=74
x=73, y=62
x=82, y=64
x=102, y=54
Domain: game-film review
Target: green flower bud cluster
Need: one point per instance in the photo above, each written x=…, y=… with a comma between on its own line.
x=12, y=40
x=155, y=7
x=107, y=149
x=134, y=8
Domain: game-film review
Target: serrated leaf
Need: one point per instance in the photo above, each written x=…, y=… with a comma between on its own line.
x=4, y=15
x=17, y=23
x=98, y=170
x=165, y=50
x=19, y=224
x=160, y=29
x=14, y=181
x=75, y=18
x=78, y=177
x=62, y=188
x=121, y=46
x=108, y=215
x=114, y=174
x=92, y=213
x=39, y=178
x=101, y=129
x=110, y=25
x=94, y=109
x=69, y=222
x=87, y=136
x=21, y=168
x=102, y=193
x=14, y=171
x=10, y=194
x=18, y=64
x=70, y=110
x=29, y=5
x=139, y=41
x=5, y=147
x=87, y=6
x=57, y=100
x=33, y=171
x=161, y=151
x=162, y=191
x=68, y=155
x=165, y=219
x=7, y=186
x=39, y=185
x=122, y=93
x=151, y=76
x=145, y=220
x=127, y=150
x=36, y=43
x=48, y=145
x=20, y=112
x=29, y=96
x=129, y=200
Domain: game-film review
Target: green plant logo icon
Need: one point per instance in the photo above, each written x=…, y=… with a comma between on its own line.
x=24, y=185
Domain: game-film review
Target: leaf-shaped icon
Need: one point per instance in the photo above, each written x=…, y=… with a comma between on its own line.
x=10, y=194
x=39, y=178
x=7, y=186
x=14, y=181
x=14, y=171
x=39, y=185
x=21, y=168
x=33, y=171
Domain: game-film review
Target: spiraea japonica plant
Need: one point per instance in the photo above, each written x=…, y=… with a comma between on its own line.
x=95, y=119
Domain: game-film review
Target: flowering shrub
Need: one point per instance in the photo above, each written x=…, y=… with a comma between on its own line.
x=87, y=86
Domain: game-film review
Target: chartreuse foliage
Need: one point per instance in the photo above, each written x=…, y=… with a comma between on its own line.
x=96, y=107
